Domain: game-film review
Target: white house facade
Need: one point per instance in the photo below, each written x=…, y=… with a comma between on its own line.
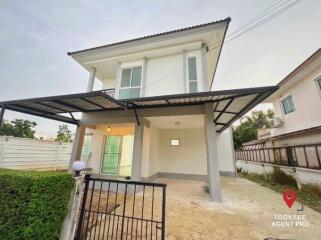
x=156, y=115
x=297, y=106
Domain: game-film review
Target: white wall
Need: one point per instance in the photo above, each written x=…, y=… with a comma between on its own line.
x=109, y=83
x=146, y=153
x=154, y=157
x=307, y=101
x=25, y=153
x=225, y=151
x=96, y=149
x=164, y=75
x=303, y=176
x=189, y=157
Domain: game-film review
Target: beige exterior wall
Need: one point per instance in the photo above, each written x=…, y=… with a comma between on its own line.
x=126, y=155
x=154, y=151
x=306, y=138
x=158, y=156
x=97, y=147
x=189, y=157
x=307, y=101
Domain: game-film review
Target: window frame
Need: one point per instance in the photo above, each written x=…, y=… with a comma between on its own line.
x=286, y=100
x=130, y=80
x=188, y=74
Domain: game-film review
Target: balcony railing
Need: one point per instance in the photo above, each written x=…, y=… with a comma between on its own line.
x=305, y=156
x=109, y=91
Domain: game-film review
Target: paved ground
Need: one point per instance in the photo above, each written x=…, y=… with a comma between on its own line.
x=247, y=212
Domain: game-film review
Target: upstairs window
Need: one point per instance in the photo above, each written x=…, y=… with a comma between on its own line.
x=192, y=75
x=130, y=84
x=288, y=105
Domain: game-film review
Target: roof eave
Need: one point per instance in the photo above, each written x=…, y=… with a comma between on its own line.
x=150, y=38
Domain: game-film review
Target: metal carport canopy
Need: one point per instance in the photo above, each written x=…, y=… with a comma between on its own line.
x=228, y=105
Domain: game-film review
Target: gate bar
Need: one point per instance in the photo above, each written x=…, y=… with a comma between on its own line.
x=83, y=205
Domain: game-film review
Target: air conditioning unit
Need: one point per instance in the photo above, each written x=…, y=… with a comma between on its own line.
x=278, y=122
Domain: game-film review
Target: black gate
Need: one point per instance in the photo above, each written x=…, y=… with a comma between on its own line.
x=118, y=209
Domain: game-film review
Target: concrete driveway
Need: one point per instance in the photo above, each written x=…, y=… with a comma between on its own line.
x=248, y=212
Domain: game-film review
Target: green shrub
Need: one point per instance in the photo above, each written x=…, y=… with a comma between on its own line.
x=33, y=205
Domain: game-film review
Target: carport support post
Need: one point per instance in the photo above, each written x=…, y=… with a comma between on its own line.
x=213, y=170
x=77, y=146
x=3, y=108
x=137, y=151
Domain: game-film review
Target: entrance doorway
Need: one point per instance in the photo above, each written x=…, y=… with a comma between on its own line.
x=117, y=155
x=111, y=155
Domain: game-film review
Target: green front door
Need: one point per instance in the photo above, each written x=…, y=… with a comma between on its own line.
x=111, y=155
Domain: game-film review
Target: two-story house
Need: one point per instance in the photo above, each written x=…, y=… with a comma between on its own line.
x=157, y=116
x=297, y=106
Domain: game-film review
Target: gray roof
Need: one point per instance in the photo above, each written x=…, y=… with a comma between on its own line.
x=227, y=20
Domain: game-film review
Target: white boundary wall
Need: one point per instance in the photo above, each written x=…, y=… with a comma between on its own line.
x=25, y=153
x=302, y=175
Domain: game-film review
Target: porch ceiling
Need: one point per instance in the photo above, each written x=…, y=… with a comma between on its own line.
x=228, y=105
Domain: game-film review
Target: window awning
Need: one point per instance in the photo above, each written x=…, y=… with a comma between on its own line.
x=229, y=105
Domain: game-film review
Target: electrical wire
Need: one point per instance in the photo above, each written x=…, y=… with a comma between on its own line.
x=267, y=15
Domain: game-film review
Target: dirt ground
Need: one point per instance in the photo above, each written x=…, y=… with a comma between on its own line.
x=247, y=212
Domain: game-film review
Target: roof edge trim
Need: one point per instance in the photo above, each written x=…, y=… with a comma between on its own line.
x=73, y=53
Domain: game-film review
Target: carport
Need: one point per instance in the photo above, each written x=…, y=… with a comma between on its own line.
x=220, y=110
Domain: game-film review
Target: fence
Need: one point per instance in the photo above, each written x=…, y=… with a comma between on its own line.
x=305, y=156
x=118, y=209
x=24, y=153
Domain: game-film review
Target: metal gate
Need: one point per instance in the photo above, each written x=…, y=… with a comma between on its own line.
x=119, y=209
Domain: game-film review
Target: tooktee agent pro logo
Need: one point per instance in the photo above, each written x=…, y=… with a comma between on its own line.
x=289, y=197
x=290, y=220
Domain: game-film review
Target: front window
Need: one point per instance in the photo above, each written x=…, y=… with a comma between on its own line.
x=130, y=84
x=192, y=75
x=288, y=105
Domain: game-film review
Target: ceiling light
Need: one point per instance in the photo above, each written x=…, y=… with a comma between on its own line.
x=109, y=129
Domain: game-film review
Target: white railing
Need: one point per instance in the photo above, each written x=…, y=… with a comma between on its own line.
x=24, y=153
x=110, y=92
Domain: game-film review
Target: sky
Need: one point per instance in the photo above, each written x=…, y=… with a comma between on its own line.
x=35, y=37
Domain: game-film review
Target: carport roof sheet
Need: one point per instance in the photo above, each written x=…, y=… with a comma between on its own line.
x=228, y=105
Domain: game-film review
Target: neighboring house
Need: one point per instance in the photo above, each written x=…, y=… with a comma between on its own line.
x=297, y=106
x=295, y=139
x=157, y=116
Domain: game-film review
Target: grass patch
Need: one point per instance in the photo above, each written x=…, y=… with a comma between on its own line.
x=309, y=195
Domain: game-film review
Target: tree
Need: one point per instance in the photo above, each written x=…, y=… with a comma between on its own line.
x=247, y=130
x=63, y=134
x=18, y=128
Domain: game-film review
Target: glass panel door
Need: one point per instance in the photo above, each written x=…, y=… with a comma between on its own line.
x=86, y=148
x=111, y=155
